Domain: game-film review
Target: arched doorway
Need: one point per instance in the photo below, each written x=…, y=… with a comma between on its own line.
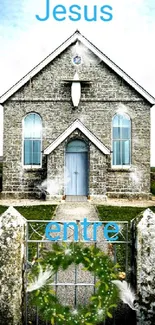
x=77, y=168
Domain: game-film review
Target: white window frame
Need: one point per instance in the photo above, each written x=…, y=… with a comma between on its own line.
x=125, y=167
x=31, y=166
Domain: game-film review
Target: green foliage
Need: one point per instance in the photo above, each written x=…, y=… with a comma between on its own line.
x=153, y=187
x=1, y=167
x=102, y=301
x=153, y=180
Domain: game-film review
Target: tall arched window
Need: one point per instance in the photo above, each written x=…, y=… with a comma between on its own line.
x=121, y=129
x=32, y=139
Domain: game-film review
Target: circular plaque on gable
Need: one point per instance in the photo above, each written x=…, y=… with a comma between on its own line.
x=77, y=60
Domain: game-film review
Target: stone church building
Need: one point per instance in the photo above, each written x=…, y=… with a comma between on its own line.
x=76, y=126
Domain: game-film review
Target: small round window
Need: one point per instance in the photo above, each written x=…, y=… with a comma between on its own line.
x=77, y=60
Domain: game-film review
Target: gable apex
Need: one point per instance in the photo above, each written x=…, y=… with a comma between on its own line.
x=77, y=36
x=77, y=124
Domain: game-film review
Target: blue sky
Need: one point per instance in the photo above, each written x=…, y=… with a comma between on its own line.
x=128, y=39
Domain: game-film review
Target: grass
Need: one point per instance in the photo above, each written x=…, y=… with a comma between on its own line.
x=37, y=212
x=3, y=209
x=34, y=212
x=153, y=187
x=1, y=166
x=107, y=213
x=153, y=180
x=36, y=230
x=115, y=213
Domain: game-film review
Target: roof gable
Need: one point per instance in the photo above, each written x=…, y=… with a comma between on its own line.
x=77, y=125
x=77, y=36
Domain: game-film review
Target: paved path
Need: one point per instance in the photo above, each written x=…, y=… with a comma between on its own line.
x=71, y=211
x=78, y=211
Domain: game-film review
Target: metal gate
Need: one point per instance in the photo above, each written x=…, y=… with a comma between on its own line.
x=119, y=249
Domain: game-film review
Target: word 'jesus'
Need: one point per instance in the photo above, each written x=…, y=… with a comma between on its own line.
x=76, y=12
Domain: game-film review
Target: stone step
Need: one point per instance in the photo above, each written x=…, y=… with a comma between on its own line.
x=76, y=198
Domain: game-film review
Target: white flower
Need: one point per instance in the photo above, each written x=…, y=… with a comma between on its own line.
x=75, y=312
x=68, y=251
x=100, y=312
x=40, y=280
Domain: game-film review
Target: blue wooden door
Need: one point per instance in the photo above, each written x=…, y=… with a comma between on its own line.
x=82, y=171
x=77, y=171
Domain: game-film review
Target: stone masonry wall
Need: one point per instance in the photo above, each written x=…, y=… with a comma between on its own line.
x=12, y=237
x=98, y=173
x=55, y=172
x=48, y=95
x=145, y=269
